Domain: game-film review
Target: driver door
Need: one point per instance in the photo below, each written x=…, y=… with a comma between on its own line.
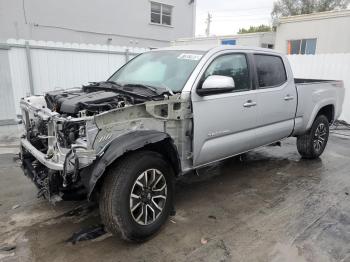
x=224, y=123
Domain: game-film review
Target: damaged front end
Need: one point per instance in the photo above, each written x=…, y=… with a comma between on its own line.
x=54, y=148
x=67, y=132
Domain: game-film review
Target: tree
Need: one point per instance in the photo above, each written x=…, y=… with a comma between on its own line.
x=255, y=29
x=299, y=7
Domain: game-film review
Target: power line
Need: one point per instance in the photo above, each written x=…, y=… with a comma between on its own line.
x=95, y=32
x=243, y=15
x=239, y=9
x=238, y=18
x=24, y=12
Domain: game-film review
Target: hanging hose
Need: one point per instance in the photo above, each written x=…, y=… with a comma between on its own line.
x=71, y=152
x=340, y=125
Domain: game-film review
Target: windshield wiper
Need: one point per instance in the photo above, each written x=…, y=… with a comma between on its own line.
x=114, y=87
x=117, y=87
x=152, y=88
x=157, y=90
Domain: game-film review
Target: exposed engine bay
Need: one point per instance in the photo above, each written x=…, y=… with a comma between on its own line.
x=66, y=130
x=73, y=105
x=98, y=97
x=74, y=101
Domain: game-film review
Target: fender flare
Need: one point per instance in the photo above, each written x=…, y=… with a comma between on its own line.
x=317, y=109
x=118, y=147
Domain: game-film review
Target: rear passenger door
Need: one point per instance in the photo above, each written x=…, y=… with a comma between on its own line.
x=276, y=99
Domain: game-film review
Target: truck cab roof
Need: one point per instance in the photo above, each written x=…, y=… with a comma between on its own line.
x=215, y=48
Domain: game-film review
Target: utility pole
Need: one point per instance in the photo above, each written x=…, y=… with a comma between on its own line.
x=208, y=22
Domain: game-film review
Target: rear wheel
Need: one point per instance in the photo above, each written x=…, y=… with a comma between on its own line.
x=312, y=144
x=137, y=195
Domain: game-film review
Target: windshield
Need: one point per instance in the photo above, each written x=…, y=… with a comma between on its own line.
x=166, y=69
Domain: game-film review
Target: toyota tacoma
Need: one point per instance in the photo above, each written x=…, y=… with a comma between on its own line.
x=123, y=142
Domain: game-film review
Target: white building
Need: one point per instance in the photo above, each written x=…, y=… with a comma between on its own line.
x=318, y=33
x=265, y=39
x=137, y=23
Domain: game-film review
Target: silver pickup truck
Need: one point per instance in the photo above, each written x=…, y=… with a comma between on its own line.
x=124, y=141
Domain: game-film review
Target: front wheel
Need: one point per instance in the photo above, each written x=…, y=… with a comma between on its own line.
x=136, y=196
x=312, y=144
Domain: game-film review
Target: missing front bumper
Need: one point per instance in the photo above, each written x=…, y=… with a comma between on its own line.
x=41, y=157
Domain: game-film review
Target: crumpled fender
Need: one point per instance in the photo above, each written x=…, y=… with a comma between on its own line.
x=119, y=146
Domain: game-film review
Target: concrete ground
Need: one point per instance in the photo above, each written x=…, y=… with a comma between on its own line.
x=267, y=205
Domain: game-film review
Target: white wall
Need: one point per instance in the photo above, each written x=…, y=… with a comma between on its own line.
x=251, y=39
x=59, y=66
x=256, y=39
x=332, y=34
x=325, y=66
x=126, y=22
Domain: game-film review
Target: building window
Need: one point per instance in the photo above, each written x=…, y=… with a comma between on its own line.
x=302, y=47
x=269, y=46
x=228, y=41
x=161, y=13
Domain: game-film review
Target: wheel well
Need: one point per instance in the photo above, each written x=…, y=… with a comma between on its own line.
x=327, y=111
x=167, y=149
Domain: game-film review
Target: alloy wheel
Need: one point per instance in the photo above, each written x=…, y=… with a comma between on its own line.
x=148, y=196
x=320, y=137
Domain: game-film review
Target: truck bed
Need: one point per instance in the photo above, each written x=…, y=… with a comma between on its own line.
x=314, y=94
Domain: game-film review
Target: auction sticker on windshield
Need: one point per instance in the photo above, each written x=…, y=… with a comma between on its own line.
x=190, y=57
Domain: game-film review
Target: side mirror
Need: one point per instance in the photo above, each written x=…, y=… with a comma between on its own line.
x=216, y=84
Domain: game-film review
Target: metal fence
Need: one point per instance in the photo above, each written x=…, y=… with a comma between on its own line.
x=35, y=67
x=325, y=66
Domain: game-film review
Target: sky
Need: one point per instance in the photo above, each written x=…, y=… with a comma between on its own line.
x=230, y=15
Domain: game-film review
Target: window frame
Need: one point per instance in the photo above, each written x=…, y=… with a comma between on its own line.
x=300, y=46
x=257, y=86
x=161, y=14
x=249, y=67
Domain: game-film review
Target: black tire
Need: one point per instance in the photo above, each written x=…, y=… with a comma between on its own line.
x=308, y=145
x=115, y=199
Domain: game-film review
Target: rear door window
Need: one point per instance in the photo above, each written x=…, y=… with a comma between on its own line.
x=270, y=70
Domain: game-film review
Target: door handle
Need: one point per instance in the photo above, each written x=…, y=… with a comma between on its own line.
x=288, y=97
x=249, y=103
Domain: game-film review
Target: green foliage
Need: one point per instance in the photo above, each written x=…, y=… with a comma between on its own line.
x=299, y=7
x=255, y=29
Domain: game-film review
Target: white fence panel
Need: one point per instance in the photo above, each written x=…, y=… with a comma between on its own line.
x=19, y=75
x=62, y=65
x=7, y=114
x=325, y=66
